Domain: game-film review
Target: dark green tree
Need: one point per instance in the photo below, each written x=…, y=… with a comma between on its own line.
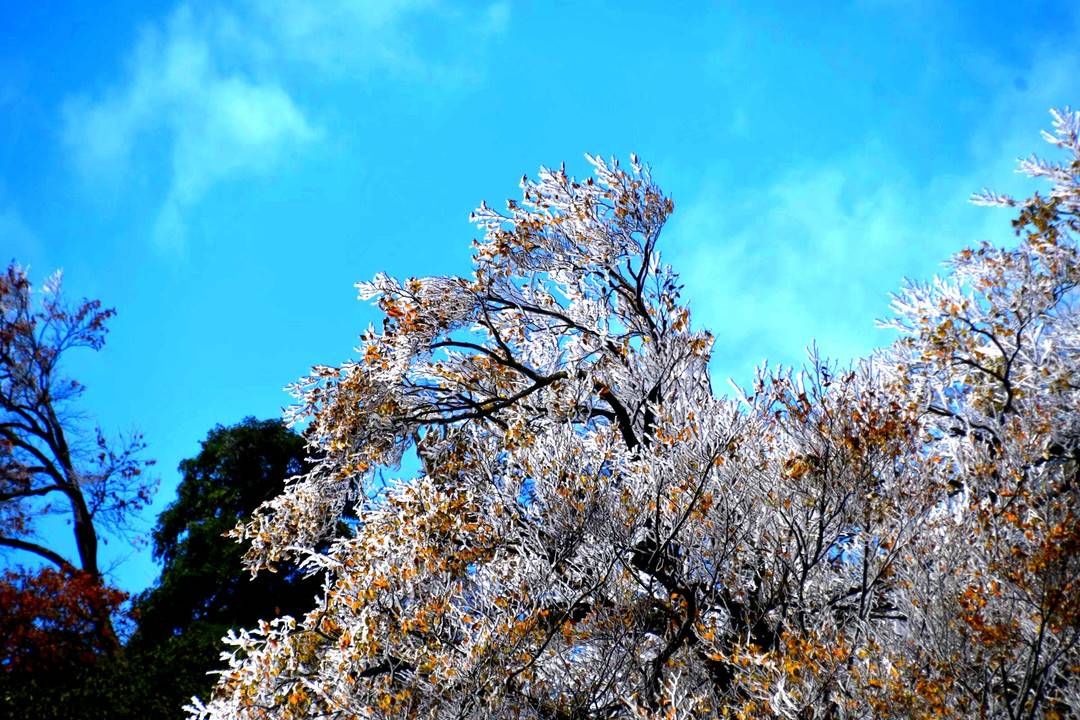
x=203, y=590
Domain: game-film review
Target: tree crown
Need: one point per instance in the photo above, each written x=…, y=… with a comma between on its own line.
x=595, y=534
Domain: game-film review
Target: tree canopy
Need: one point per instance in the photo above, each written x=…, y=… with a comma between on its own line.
x=202, y=592
x=237, y=469
x=50, y=620
x=595, y=533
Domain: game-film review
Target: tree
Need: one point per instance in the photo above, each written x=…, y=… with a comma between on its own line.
x=54, y=661
x=991, y=357
x=201, y=593
x=595, y=533
x=48, y=464
x=238, y=468
x=49, y=620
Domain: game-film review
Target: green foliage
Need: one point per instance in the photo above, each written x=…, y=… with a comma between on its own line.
x=202, y=591
x=238, y=468
x=135, y=683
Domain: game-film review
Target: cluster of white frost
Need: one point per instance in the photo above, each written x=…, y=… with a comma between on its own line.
x=595, y=534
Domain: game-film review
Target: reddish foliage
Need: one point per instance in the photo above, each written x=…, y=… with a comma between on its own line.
x=51, y=619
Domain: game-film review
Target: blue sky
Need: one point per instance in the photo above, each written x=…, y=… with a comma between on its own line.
x=222, y=173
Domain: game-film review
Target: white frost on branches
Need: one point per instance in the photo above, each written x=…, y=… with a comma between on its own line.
x=595, y=534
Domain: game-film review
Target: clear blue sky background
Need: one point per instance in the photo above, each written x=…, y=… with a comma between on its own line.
x=223, y=173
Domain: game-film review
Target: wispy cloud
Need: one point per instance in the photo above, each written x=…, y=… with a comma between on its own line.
x=802, y=260
x=814, y=254
x=216, y=122
x=206, y=91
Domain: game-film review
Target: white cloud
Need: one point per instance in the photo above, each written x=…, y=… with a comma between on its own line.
x=815, y=255
x=204, y=93
x=803, y=260
x=219, y=123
